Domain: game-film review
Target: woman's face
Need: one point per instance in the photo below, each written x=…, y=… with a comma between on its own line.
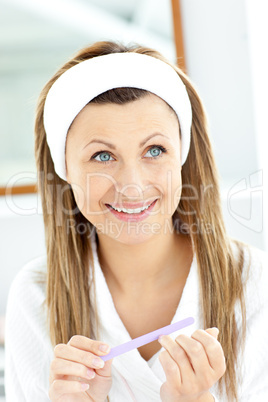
x=126, y=156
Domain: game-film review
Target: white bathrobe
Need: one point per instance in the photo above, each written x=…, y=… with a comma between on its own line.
x=29, y=351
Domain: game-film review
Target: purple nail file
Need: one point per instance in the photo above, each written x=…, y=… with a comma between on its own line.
x=147, y=338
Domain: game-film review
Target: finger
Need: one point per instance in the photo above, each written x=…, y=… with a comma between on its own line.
x=60, y=367
x=170, y=367
x=178, y=355
x=213, y=331
x=71, y=353
x=213, y=350
x=96, y=348
x=62, y=387
x=195, y=352
x=90, y=345
x=106, y=370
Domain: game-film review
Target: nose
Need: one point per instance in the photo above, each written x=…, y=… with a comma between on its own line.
x=130, y=182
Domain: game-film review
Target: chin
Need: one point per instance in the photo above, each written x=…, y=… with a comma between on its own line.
x=135, y=240
x=132, y=238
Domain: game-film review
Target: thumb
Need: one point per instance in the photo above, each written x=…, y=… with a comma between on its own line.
x=213, y=331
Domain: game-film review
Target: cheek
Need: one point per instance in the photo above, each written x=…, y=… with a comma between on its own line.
x=94, y=188
x=173, y=187
x=177, y=186
x=177, y=189
x=170, y=175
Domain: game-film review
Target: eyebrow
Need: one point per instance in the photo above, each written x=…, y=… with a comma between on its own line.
x=108, y=144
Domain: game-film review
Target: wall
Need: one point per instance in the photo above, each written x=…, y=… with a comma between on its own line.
x=218, y=62
x=226, y=58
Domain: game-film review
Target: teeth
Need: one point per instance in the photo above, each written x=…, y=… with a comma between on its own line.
x=131, y=211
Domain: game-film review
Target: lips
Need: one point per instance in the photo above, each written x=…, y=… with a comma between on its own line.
x=132, y=217
x=134, y=209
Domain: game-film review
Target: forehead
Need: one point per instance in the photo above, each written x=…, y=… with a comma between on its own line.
x=149, y=109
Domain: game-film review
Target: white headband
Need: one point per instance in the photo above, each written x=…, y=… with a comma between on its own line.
x=75, y=88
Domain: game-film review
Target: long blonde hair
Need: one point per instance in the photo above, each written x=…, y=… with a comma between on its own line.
x=69, y=254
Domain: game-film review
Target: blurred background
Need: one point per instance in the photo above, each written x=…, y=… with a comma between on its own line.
x=222, y=46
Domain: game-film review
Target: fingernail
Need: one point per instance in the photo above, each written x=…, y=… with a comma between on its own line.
x=215, y=329
x=104, y=348
x=98, y=363
x=90, y=374
x=84, y=386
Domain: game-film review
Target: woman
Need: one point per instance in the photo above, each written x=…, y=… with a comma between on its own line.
x=135, y=240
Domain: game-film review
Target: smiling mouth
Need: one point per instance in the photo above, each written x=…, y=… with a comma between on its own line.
x=132, y=211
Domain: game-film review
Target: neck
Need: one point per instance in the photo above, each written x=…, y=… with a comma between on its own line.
x=146, y=268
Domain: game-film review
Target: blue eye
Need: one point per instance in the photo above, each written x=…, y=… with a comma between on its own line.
x=104, y=156
x=156, y=151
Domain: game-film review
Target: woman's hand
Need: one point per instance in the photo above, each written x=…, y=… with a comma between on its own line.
x=192, y=366
x=75, y=376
